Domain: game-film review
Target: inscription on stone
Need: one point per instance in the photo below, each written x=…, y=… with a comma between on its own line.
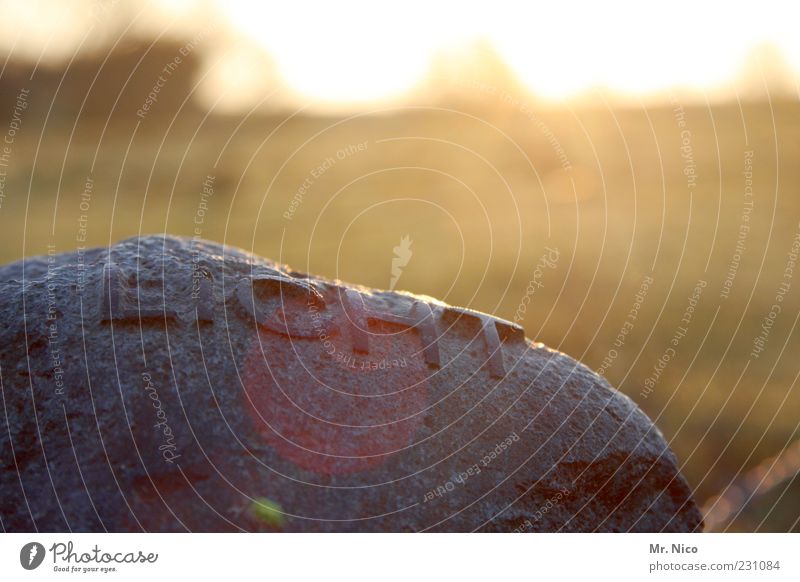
x=281, y=304
x=136, y=299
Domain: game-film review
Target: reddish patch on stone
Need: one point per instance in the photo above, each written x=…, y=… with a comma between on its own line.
x=332, y=410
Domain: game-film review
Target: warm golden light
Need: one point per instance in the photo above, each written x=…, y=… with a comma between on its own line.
x=354, y=51
x=351, y=53
x=341, y=51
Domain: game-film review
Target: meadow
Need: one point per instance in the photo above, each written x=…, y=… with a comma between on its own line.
x=649, y=242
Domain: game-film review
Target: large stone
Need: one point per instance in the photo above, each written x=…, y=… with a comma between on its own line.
x=167, y=384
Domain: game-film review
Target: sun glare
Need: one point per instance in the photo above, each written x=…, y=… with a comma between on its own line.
x=357, y=51
x=339, y=51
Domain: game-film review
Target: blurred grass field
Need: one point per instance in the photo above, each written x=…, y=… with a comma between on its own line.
x=482, y=188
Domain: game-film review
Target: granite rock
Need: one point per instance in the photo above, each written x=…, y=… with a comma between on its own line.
x=169, y=384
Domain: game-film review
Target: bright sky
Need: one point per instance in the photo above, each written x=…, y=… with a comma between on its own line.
x=351, y=51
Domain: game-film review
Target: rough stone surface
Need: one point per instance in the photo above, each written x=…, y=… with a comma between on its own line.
x=166, y=384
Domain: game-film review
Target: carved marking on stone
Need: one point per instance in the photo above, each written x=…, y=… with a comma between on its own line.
x=205, y=300
x=423, y=317
x=493, y=330
x=141, y=300
x=281, y=304
x=287, y=306
x=120, y=301
x=420, y=318
x=356, y=317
